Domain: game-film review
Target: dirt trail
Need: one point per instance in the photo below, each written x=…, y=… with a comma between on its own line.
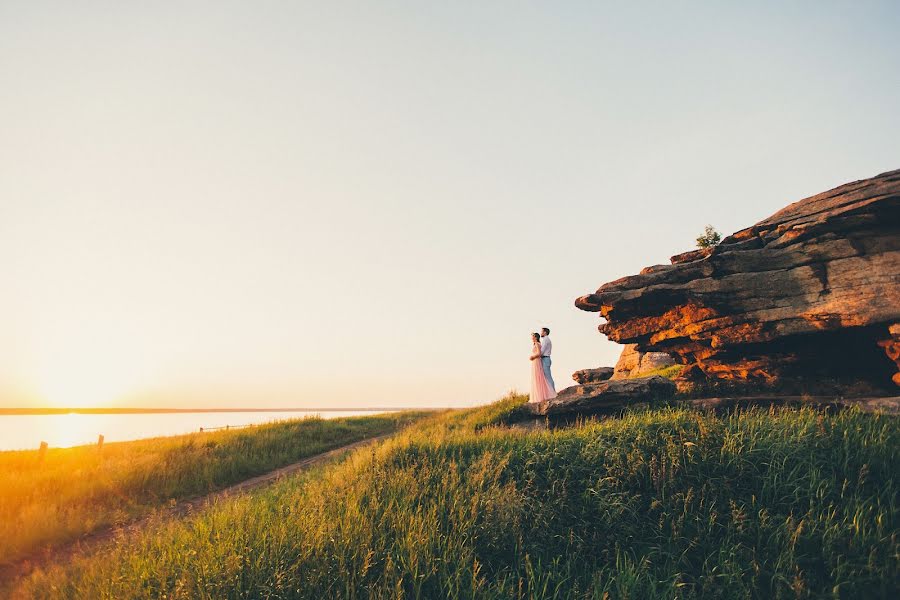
x=91, y=542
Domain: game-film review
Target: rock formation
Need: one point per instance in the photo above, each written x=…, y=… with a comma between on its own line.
x=812, y=290
x=606, y=395
x=634, y=363
x=593, y=375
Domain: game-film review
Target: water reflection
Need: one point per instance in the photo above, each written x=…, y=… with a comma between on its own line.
x=19, y=432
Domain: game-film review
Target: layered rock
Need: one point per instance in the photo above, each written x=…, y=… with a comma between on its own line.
x=815, y=288
x=593, y=375
x=606, y=395
x=634, y=363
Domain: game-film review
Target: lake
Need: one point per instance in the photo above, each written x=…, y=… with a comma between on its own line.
x=21, y=432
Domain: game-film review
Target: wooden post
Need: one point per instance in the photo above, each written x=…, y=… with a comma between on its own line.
x=100, y=442
x=42, y=453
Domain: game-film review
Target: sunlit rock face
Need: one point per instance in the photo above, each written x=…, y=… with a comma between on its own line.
x=634, y=363
x=812, y=290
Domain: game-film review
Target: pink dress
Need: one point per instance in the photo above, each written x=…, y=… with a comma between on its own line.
x=540, y=389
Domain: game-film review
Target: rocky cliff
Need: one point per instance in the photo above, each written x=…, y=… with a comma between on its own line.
x=813, y=289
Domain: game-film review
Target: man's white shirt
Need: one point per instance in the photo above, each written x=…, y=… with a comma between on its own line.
x=546, y=346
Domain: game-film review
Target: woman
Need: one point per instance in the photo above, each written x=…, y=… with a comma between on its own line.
x=540, y=389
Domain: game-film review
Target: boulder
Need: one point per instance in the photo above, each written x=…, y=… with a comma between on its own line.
x=593, y=397
x=812, y=290
x=634, y=363
x=593, y=375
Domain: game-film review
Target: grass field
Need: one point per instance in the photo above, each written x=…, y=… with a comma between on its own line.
x=77, y=490
x=662, y=503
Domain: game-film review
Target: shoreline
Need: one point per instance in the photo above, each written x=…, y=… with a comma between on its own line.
x=139, y=410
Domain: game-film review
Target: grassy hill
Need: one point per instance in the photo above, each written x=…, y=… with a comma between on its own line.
x=661, y=503
x=78, y=490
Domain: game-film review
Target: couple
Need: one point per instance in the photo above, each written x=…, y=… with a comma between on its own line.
x=542, y=386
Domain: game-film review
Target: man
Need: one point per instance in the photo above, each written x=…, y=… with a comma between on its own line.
x=546, y=349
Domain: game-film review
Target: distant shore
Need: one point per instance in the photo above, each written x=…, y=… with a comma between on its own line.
x=139, y=410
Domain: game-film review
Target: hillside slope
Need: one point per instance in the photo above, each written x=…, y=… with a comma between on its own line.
x=664, y=503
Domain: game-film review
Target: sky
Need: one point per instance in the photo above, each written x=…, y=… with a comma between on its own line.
x=334, y=204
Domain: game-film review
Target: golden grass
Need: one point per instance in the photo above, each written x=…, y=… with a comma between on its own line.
x=77, y=490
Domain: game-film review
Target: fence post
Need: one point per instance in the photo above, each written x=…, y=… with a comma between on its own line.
x=100, y=442
x=42, y=453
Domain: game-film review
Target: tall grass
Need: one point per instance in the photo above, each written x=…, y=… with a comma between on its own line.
x=658, y=504
x=77, y=490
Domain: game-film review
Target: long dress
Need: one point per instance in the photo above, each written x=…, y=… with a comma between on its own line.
x=540, y=388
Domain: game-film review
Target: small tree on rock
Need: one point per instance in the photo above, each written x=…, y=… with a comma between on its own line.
x=709, y=238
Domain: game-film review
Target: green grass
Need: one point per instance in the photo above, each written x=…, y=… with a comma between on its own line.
x=506, y=411
x=77, y=490
x=670, y=372
x=663, y=503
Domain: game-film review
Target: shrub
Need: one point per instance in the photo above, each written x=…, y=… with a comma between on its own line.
x=709, y=238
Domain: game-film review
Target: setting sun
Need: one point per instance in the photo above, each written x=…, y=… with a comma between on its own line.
x=86, y=374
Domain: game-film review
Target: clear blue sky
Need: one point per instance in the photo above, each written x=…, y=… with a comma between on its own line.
x=330, y=203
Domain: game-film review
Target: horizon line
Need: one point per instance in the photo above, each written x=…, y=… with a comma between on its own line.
x=139, y=410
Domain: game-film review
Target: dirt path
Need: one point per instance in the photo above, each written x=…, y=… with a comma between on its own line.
x=91, y=542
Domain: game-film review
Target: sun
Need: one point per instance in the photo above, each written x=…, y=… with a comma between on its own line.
x=98, y=379
x=66, y=390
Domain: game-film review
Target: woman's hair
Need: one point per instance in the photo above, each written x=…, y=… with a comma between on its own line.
x=536, y=335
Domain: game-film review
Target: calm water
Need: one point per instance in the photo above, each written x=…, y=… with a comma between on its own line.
x=18, y=432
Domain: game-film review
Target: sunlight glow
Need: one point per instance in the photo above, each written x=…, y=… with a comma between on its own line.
x=72, y=429
x=79, y=372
